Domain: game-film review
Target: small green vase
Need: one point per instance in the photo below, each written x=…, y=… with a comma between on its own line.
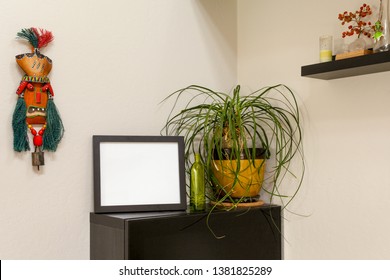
x=197, y=186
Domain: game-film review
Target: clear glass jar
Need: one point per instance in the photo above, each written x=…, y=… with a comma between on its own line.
x=383, y=43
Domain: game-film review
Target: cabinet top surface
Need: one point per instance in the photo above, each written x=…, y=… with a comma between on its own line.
x=142, y=215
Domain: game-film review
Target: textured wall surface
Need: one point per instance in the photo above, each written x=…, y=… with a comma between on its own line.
x=113, y=62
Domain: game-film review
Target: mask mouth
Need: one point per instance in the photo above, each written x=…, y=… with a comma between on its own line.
x=35, y=111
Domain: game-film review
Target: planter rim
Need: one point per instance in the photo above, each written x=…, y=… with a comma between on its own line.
x=226, y=154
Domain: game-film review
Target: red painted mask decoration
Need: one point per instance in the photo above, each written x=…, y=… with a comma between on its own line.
x=35, y=108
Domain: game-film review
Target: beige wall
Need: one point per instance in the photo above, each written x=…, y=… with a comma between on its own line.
x=346, y=193
x=114, y=61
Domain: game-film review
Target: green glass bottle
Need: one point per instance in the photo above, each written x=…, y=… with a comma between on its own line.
x=197, y=186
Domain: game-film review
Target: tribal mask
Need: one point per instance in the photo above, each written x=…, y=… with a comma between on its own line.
x=35, y=105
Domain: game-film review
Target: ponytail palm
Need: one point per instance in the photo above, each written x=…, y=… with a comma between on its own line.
x=212, y=122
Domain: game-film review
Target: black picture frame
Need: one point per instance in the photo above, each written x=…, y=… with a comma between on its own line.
x=138, y=173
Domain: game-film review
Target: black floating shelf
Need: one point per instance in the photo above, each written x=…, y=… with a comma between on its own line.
x=349, y=67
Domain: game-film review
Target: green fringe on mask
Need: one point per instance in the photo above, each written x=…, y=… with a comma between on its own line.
x=54, y=127
x=19, y=127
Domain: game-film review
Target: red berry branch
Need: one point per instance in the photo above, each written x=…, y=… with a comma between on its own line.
x=357, y=24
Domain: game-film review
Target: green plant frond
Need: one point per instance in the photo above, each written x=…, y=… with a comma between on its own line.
x=268, y=117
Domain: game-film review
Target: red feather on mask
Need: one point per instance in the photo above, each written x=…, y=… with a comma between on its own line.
x=44, y=36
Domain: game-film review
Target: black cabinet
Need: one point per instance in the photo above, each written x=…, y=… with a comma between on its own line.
x=248, y=233
x=354, y=66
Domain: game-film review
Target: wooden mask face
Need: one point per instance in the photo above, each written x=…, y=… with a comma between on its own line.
x=37, y=67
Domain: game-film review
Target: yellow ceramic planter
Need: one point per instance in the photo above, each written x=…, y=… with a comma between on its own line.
x=247, y=183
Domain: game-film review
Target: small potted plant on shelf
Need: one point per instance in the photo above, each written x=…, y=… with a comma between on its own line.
x=235, y=136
